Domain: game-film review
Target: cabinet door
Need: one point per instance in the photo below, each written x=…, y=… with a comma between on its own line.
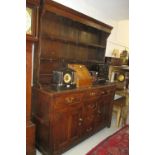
x=60, y=129
x=106, y=106
x=67, y=126
x=90, y=108
x=100, y=119
x=109, y=106
x=88, y=126
x=76, y=122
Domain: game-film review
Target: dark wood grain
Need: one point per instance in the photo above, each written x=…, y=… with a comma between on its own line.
x=30, y=40
x=65, y=118
x=30, y=127
x=67, y=35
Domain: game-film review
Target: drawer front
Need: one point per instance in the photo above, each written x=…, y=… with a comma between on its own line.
x=106, y=91
x=65, y=100
x=92, y=94
x=91, y=106
x=88, y=124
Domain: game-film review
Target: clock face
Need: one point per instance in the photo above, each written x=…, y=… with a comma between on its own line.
x=67, y=78
x=28, y=20
x=121, y=77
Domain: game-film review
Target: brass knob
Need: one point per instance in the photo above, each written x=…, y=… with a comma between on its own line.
x=92, y=106
x=92, y=94
x=103, y=92
x=80, y=119
x=99, y=112
x=69, y=100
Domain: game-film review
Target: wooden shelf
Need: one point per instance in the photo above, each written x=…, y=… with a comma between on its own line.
x=125, y=67
x=69, y=60
x=67, y=37
x=72, y=41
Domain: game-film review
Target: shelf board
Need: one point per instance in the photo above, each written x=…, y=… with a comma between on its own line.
x=69, y=60
x=72, y=41
x=125, y=67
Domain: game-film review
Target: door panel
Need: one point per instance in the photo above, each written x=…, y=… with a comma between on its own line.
x=76, y=121
x=60, y=129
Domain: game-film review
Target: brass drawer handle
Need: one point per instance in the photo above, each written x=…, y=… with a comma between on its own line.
x=92, y=94
x=80, y=119
x=92, y=106
x=103, y=92
x=69, y=99
x=106, y=92
x=99, y=112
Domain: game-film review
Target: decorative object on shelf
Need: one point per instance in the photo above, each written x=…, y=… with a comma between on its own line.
x=82, y=75
x=28, y=20
x=63, y=79
x=113, y=61
x=116, y=53
x=102, y=70
x=94, y=75
x=121, y=77
x=124, y=57
x=32, y=11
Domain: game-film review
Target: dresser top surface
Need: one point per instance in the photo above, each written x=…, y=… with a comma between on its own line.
x=50, y=91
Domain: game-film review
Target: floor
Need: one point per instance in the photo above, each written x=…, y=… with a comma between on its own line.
x=88, y=144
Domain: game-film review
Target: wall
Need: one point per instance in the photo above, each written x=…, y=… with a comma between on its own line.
x=119, y=38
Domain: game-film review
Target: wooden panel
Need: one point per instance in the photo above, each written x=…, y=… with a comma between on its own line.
x=68, y=35
x=60, y=129
x=45, y=79
x=72, y=116
x=91, y=106
x=46, y=67
x=76, y=16
x=66, y=100
x=76, y=122
x=100, y=119
x=28, y=78
x=30, y=139
x=92, y=94
x=88, y=124
x=54, y=49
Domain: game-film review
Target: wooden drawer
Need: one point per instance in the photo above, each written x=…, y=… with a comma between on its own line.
x=92, y=94
x=91, y=106
x=64, y=100
x=88, y=124
x=107, y=91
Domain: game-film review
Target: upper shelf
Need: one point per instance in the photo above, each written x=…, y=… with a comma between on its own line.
x=51, y=60
x=64, y=11
x=72, y=41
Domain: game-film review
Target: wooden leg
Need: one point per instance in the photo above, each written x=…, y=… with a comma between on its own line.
x=118, y=117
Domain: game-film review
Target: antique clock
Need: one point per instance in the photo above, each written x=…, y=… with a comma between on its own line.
x=63, y=79
x=32, y=10
x=28, y=20
x=102, y=70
